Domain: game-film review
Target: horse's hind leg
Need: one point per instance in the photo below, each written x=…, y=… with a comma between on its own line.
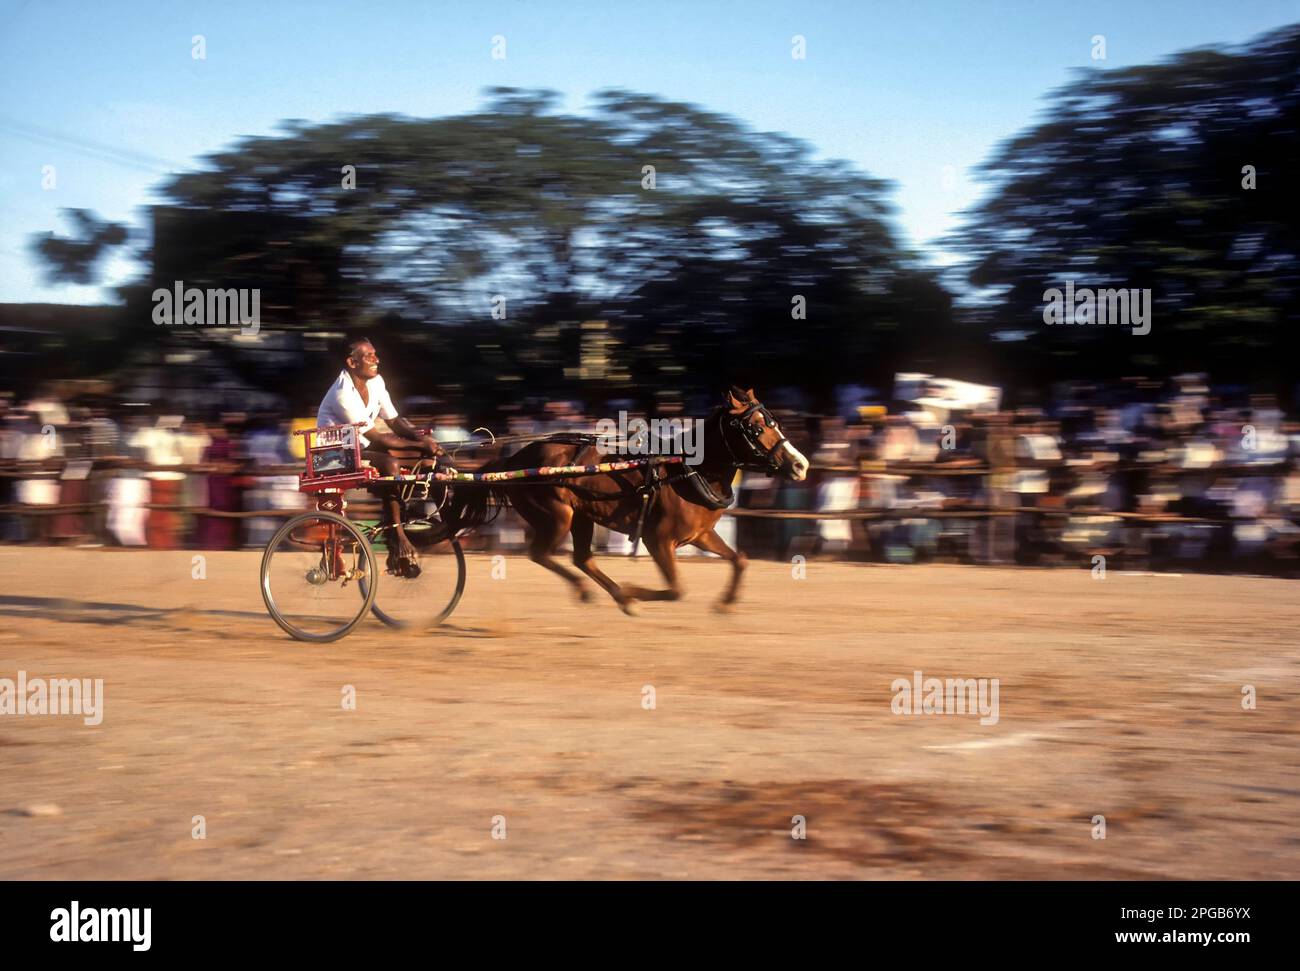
x=585, y=560
x=711, y=542
x=550, y=523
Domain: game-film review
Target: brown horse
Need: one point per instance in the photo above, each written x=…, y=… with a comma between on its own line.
x=686, y=505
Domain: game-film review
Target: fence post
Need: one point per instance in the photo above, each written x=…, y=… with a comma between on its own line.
x=1001, y=534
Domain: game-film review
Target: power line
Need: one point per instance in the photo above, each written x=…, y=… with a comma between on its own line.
x=96, y=150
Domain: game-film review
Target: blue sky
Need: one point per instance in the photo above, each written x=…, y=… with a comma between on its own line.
x=915, y=92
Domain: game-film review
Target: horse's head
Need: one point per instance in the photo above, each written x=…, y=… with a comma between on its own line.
x=755, y=440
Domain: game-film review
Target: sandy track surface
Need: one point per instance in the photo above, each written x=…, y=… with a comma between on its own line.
x=1120, y=697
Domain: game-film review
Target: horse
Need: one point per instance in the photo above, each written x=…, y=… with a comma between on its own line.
x=682, y=504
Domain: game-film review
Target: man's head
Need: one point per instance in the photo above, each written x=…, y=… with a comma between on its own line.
x=362, y=361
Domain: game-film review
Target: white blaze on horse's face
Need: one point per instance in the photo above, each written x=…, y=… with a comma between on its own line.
x=795, y=462
x=793, y=459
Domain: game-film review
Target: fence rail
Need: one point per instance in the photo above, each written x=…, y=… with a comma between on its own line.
x=54, y=469
x=53, y=509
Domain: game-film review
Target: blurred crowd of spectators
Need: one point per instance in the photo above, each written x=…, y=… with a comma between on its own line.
x=1146, y=472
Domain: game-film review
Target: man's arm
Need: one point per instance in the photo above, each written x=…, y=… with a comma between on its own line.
x=404, y=435
x=411, y=433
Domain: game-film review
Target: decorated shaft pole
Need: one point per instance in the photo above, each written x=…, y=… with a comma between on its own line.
x=549, y=471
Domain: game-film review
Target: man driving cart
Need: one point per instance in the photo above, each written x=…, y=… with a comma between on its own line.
x=360, y=395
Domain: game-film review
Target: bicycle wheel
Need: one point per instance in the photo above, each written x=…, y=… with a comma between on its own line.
x=306, y=569
x=425, y=601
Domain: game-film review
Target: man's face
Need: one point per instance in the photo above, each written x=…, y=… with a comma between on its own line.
x=364, y=362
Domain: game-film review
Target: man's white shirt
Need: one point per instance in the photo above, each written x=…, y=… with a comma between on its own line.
x=342, y=404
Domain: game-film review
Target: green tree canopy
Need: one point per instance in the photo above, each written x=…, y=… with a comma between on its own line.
x=76, y=258
x=552, y=211
x=1135, y=179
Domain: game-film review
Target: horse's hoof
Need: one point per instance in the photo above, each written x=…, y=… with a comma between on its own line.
x=725, y=607
x=584, y=595
x=630, y=608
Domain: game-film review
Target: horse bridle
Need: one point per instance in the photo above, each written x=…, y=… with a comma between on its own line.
x=758, y=454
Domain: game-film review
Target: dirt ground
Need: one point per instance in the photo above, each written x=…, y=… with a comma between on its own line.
x=1119, y=698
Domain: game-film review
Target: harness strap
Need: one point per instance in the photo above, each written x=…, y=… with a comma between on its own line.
x=649, y=492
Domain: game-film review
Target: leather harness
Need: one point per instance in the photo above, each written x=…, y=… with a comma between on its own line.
x=704, y=494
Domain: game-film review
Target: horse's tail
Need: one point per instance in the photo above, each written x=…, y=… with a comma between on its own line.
x=472, y=505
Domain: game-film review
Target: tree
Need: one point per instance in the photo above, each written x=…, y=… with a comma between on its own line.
x=1135, y=179
x=76, y=258
x=426, y=220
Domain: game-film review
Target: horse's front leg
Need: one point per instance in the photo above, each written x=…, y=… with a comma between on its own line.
x=664, y=553
x=711, y=542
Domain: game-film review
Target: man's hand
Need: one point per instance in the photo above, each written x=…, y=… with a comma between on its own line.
x=427, y=444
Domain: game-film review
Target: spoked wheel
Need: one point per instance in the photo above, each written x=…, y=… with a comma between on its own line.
x=424, y=601
x=307, y=570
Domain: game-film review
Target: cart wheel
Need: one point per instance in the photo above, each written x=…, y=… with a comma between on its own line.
x=419, y=603
x=306, y=570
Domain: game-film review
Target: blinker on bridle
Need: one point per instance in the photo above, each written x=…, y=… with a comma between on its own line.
x=757, y=451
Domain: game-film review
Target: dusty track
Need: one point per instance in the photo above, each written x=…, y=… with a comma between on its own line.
x=1119, y=697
